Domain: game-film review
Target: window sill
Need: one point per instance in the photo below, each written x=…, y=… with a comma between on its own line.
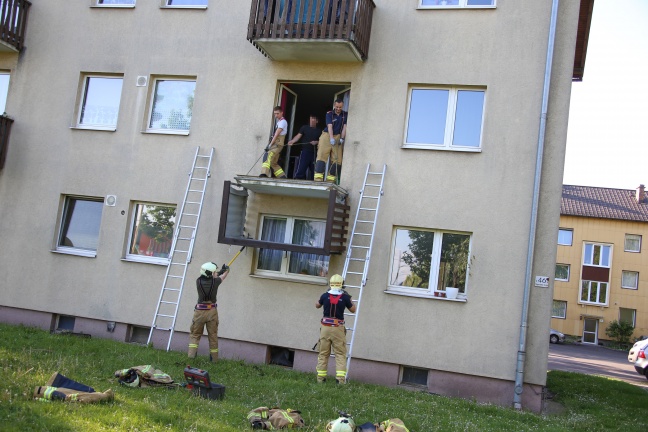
x=455, y=7
x=318, y=281
x=124, y=6
x=95, y=128
x=426, y=295
x=77, y=252
x=147, y=260
x=601, y=305
x=442, y=148
x=184, y=7
x=166, y=132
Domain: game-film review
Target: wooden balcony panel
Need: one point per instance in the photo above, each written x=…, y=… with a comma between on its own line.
x=13, y=24
x=311, y=30
x=5, y=131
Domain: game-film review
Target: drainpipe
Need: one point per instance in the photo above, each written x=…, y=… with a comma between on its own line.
x=519, y=372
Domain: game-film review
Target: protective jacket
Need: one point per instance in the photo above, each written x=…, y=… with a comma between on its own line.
x=148, y=376
x=265, y=418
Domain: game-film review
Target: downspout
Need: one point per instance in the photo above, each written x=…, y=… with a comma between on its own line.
x=519, y=372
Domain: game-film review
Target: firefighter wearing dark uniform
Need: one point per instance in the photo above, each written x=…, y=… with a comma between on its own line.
x=205, y=312
x=333, y=332
x=331, y=143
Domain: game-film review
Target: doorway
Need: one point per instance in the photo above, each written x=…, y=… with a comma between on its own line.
x=299, y=101
x=590, y=330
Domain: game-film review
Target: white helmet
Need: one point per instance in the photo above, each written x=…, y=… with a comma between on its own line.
x=341, y=424
x=129, y=378
x=208, y=269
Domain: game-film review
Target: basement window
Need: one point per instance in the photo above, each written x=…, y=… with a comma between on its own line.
x=414, y=376
x=281, y=356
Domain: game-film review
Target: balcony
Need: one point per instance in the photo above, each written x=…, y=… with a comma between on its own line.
x=13, y=23
x=5, y=130
x=312, y=30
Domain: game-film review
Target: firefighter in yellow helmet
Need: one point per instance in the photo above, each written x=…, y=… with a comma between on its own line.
x=205, y=312
x=332, y=331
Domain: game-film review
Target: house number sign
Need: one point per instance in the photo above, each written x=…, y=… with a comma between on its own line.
x=542, y=281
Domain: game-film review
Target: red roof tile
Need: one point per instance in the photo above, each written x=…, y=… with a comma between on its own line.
x=602, y=203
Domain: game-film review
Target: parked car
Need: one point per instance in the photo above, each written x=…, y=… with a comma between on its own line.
x=555, y=336
x=634, y=351
x=641, y=365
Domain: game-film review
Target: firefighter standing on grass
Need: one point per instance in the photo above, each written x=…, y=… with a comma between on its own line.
x=205, y=312
x=333, y=332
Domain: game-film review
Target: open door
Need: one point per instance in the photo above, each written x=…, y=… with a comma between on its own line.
x=345, y=95
x=287, y=99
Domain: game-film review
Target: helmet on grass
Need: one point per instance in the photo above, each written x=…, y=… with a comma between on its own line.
x=341, y=424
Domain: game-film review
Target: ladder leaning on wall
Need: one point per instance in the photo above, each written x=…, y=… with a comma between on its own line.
x=182, y=246
x=356, y=264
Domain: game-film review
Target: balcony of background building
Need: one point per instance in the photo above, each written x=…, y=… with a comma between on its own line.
x=5, y=130
x=13, y=23
x=312, y=30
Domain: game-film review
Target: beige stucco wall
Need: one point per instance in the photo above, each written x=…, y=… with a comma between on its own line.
x=488, y=194
x=611, y=232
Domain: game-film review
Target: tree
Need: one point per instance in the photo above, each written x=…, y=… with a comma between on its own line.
x=419, y=257
x=621, y=331
x=158, y=222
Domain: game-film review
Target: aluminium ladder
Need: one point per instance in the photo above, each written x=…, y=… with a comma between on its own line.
x=182, y=246
x=356, y=264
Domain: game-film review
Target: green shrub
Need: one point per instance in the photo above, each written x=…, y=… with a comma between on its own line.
x=621, y=331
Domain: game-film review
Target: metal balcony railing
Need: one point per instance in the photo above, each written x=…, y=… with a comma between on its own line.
x=312, y=20
x=13, y=22
x=5, y=129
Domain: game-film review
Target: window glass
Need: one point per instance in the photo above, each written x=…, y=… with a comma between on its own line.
x=100, y=102
x=187, y=2
x=273, y=230
x=308, y=233
x=559, y=309
x=80, y=224
x=565, y=237
x=480, y=2
x=629, y=279
x=628, y=315
x=172, y=106
x=594, y=292
x=597, y=255
x=632, y=243
x=412, y=258
x=4, y=90
x=427, y=116
x=562, y=272
x=454, y=261
x=468, y=119
x=116, y=2
x=151, y=232
x=457, y=3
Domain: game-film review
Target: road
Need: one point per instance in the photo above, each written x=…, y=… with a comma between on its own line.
x=594, y=360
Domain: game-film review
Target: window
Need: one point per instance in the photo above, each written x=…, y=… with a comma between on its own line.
x=562, y=272
x=559, y=309
x=115, y=2
x=426, y=262
x=594, y=292
x=151, y=233
x=4, y=90
x=628, y=315
x=99, y=102
x=297, y=231
x=629, y=279
x=172, y=3
x=445, y=118
x=597, y=255
x=79, y=227
x=457, y=3
x=565, y=237
x=171, y=106
x=632, y=243
x=414, y=376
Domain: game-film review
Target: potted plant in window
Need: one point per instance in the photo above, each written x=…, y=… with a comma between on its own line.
x=457, y=263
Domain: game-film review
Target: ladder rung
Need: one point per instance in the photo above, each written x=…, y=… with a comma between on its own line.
x=181, y=251
x=175, y=277
x=362, y=234
x=200, y=167
x=185, y=238
x=360, y=247
x=171, y=289
x=369, y=184
x=162, y=328
x=357, y=259
x=195, y=190
x=166, y=316
x=168, y=302
x=348, y=328
x=372, y=197
x=364, y=221
x=352, y=286
x=376, y=173
x=350, y=272
x=202, y=156
x=198, y=179
x=192, y=202
x=182, y=264
x=364, y=208
x=189, y=214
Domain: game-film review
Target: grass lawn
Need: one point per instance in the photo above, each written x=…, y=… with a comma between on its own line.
x=29, y=356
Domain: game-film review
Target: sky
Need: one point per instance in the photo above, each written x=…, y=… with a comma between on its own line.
x=607, y=140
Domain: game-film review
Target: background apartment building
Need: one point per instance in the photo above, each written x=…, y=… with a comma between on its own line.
x=600, y=261
x=111, y=99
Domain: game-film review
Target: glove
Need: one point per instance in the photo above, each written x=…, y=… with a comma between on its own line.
x=223, y=269
x=333, y=141
x=341, y=140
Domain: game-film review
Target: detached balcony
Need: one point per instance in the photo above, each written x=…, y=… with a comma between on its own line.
x=312, y=30
x=13, y=23
x=5, y=130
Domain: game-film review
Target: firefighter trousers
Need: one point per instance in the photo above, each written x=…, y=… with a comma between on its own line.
x=202, y=319
x=325, y=151
x=271, y=158
x=332, y=338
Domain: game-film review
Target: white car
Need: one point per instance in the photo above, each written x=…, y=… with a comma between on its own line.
x=634, y=351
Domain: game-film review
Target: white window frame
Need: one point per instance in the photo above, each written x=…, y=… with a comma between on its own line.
x=564, y=309
x=598, y=294
x=571, y=231
x=165, y=4
x=462, y=4
x=151, y=100
x=97, y=3
x=629, y=237
x=568, y=272
x=131, y=230
x=74, y=250
x=634, y=316
x=450, y=119
x=435, y=264
x=5, y=92
x=591, y=258
x=81, y=99
x=285, y=261
x=627, y=272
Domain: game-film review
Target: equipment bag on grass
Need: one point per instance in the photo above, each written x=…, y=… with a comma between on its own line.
x=276, y=418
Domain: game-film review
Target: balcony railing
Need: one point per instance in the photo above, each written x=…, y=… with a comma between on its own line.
x=273, y=23
x=13, y=22
x=5, y=129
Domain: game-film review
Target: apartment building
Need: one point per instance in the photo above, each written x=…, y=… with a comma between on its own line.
x=464, y=103
x=600, y=262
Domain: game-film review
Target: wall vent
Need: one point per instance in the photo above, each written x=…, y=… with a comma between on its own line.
x=141, y=81
x=111, y=200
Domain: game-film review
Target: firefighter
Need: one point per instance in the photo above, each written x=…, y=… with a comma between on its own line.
x=331, y=143
x=332, y=331
x=275, y=146
x=205, y=312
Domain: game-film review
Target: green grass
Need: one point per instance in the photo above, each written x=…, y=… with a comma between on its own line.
x=29, y=356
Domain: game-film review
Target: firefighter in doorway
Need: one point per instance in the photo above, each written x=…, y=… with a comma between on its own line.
x=333, y=332
x=331, y=143
x=205, y=312
x=275, y=146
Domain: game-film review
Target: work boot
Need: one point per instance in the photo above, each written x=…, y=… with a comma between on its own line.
x=340, y=381
x=262, y=175
x=321, y=380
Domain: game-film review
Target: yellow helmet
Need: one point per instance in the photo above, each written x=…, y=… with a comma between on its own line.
x=336, y=282
x=341, y=424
